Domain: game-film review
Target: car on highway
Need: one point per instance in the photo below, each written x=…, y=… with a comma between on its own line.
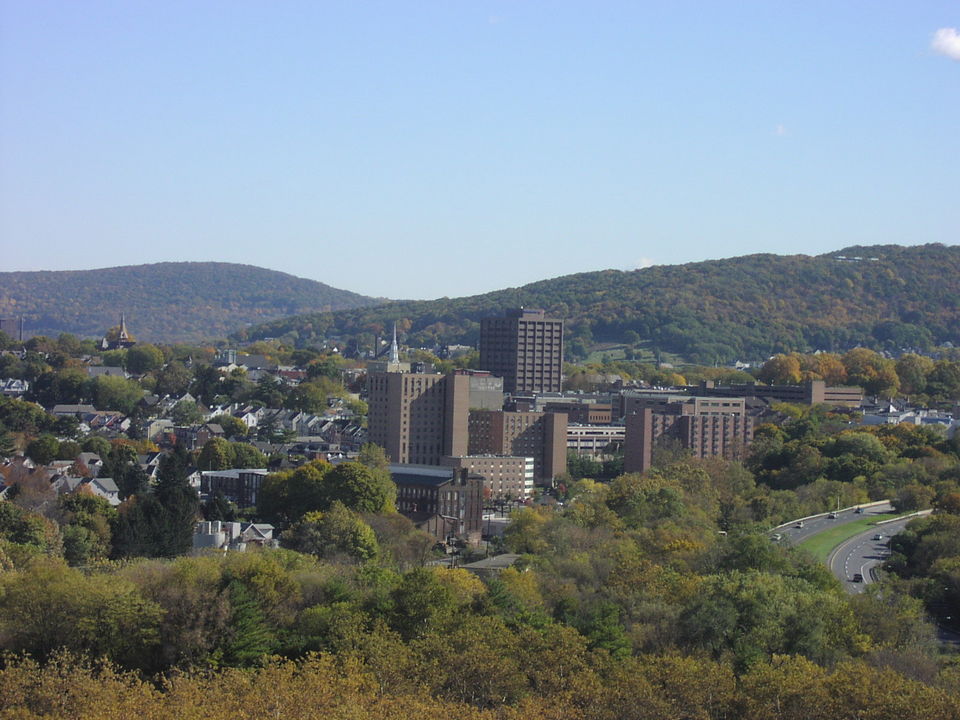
x=832, y=516
x=857, y=577
x=859, y=511
x=800, y=524
x=776, y=537
x=878, y=536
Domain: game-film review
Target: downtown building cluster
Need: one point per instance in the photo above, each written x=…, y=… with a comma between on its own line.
x=511, y=424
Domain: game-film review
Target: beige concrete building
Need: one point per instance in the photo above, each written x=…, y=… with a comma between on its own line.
x=504, y=476
x=597, y=441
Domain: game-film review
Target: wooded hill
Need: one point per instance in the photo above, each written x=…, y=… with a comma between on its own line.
x=163, y=302
x=715, y=311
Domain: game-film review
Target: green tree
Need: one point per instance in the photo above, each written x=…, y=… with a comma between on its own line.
x=943, y=381
x=115, y=393
x=913, y=497
x=781, y=370
x=374, y=457
x=48, y=606
x=336, y=532
x=120, y=463
x=186, y=413
x=173, y=379
x=159, y=523
x=419, y=603
x=874, y=373
x=68, y=450
x=86, y=521
x=179, y=502
x=96, y=444
x=44, y=449
x=247, y=456
x=144, y=358
x=913, y=371
x=308, y=397
x=206, y=384
x=7, y=444
x=249, y=637
x=360, y=488
x=216, y=454
x=287, y=495
x=233, y=428
x=62, y=386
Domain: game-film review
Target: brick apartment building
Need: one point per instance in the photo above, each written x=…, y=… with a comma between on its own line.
x=442, y=501
x=707, y=427
x=421, y=417
x=542, y=436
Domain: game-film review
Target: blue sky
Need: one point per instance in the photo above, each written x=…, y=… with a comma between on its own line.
x=424, y=149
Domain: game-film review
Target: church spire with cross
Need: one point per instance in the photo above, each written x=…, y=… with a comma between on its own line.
x=123, y=336
x=394, y=348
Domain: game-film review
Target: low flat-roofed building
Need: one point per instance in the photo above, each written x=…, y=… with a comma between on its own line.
x=584, y=413
x=505, y=477
x=814, y=392
x=240, y=486
x=595, y=440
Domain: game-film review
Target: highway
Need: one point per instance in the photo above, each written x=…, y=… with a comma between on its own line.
x=861, y=553
x=791, y=533
x=857, y=555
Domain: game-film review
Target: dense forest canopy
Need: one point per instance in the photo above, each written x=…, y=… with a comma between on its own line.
x=163, y=302
x=715, y=311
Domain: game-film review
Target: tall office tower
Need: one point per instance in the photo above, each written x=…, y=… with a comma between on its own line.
x=420, y=418
x=525, y=348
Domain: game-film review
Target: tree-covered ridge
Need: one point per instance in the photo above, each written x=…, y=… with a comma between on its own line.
x=718, y=310
x=169, y=302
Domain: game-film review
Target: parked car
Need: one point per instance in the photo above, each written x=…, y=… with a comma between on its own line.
x=857, y=577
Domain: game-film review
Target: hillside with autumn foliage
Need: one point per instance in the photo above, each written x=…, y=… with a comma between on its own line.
x=885, y=297
x=163, y=302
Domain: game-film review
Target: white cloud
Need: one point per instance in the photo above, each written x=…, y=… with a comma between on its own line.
x=780, y=130
x=946, y=41
x=645, y=262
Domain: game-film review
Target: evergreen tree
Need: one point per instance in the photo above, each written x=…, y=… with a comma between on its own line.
x=250, y=638
x=179, y=502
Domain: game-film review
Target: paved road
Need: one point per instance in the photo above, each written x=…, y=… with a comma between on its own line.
x=861, y=553
x=793, y=534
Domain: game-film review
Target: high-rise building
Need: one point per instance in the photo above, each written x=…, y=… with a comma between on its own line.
x=421, y=417
x=525, y=348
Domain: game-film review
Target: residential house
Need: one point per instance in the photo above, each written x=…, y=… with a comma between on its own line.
x=219, y=535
